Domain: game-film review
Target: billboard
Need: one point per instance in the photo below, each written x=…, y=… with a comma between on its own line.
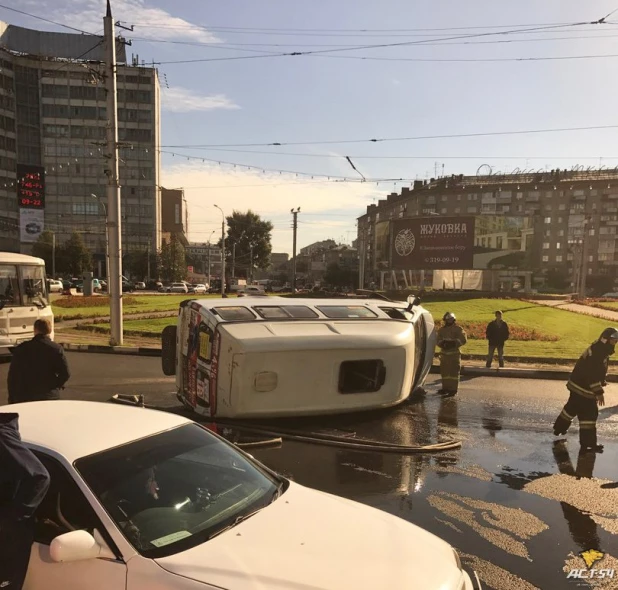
x=30, y=187
x=31, y=224
x=432, y=243
x=494, y=242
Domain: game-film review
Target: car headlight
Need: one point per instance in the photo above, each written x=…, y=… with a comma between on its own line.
x=457, y=559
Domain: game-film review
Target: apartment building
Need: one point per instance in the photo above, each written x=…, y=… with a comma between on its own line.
x=563, y=220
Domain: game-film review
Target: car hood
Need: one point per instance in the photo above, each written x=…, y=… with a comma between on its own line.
x=309, y=540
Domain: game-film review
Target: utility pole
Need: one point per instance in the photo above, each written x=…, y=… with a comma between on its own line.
x=209, y=238
x=251, y=263
x=148, y=253
x=54, y=255
x=234, y=259
x=222, y=251
x=113, y=186
x=294, y=212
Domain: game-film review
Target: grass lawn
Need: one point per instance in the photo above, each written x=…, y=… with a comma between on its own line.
x=143, y=304
x=612, y=305
x=574, y=331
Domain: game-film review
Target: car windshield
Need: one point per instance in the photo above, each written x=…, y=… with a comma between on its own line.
x=177, y=489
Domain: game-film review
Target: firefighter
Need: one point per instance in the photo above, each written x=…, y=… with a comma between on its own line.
x=450, y=338
x=586, y=391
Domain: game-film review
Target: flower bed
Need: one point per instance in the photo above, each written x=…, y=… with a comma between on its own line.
x=476, y=331
x=74, y=302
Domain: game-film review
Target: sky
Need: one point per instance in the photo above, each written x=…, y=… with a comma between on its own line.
x=458, y=68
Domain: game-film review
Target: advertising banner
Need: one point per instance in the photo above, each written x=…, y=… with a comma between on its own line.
x=31, y=224
x=432, y=243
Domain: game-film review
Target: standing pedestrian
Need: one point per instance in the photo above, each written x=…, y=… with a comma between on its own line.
x=24, y=481
x=586, y=391
x=38, y=368
x=451, y=337
x=497, y=333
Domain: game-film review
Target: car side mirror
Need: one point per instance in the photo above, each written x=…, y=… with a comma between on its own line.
x=78, y=546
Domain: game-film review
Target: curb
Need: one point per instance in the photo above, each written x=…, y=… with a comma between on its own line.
x=102, y=349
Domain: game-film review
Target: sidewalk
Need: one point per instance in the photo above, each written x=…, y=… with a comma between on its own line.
x=604, y=314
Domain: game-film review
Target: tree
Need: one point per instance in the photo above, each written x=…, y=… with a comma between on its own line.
x=136, y=264
x=43, y=248
x=336, y=276
x=245, y=230
x=74, y=257
x=172, y=261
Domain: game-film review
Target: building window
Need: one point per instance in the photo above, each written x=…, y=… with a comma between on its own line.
x=444, y=197
x=545, y=245
x=591, y=258
x=443, y=210
x=548, y=220
x=559, y=258
x=177, y=214
x=545, y=258
x=471, y=209
x=558, y=245
x=591, y=232
x=562, y=207
x=458, y=210
x=560, y=233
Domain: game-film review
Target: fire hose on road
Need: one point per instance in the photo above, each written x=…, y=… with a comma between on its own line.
x=279, y=434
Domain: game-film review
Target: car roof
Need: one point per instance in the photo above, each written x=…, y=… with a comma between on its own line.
x=75, y=429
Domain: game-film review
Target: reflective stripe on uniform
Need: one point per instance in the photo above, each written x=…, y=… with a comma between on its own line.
x=580, y=390
x=449, y=352
x=587, y=424
x=566, y=416
x=450, y=378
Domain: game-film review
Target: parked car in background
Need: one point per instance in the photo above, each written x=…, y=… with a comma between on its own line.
x=199, y=288
x=140, y=286
x=177, y=288
x=190, y=288
x=253, y=290
x=127, y=286
x=55, y=286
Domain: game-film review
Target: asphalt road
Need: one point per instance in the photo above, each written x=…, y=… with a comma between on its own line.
x=518, y=507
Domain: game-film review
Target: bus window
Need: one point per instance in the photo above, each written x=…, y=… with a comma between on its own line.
x=397, y=313
x=34, y=290
x=9, y=285
x=270, y=312
x=230, y=314
x=346, y=311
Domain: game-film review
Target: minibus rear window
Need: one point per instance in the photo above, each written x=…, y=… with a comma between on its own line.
x=231, y=314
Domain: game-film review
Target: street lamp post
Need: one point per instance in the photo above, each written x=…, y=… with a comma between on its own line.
x=101, y=202
x=209, y=238
x=222, y=251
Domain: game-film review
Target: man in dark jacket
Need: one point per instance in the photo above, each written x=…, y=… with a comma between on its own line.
x=38, y=368
x=497, y=333
x=586, y=387
x=23, y=484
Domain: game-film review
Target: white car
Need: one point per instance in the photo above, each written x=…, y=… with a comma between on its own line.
x=253, y=290
x=141, y=499
x=178, y=288
x=55, y=286
x=200, y=288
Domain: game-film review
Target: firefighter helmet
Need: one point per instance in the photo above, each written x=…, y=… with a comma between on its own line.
x=610, y=334
x=449, y=315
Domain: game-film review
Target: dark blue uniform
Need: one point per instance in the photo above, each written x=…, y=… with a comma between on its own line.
x=38, y=371
x=23, y=485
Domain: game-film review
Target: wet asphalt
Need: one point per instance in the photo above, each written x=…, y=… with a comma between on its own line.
x=517, y=505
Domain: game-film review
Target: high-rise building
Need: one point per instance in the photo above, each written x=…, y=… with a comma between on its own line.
x=53, y=121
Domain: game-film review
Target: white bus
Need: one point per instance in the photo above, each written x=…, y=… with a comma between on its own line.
x=23, y=298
